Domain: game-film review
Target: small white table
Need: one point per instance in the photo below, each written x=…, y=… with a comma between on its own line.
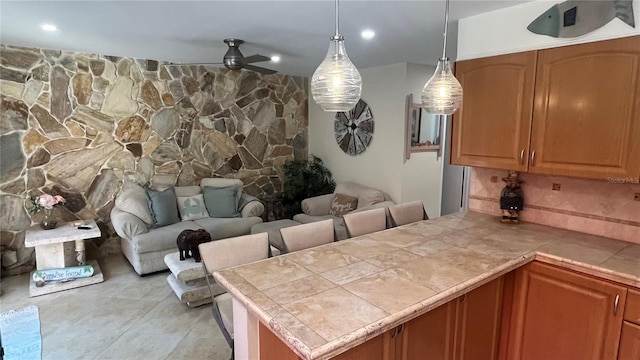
x=49, y=247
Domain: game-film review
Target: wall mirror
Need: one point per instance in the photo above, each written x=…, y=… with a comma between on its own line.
x=423, y=130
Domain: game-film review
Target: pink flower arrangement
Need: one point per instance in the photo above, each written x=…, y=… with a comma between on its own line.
x=45, y=201
x=48, y=202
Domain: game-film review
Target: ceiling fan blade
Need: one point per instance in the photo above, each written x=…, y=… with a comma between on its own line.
x=256, y=58
x=199, y=64
x=260, y=69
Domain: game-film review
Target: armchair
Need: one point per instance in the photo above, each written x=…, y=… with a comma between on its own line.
x=318, y=208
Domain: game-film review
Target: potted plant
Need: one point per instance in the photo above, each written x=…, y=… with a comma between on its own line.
x=303, y=179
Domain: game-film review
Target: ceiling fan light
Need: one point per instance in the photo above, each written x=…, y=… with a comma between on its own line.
x=442, y=94
x=336, y=85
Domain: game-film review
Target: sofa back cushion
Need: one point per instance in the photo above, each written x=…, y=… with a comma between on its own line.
x=366, y=196
x=187, y=190
x=221, y=202
x=133, y=199
x=163, y=205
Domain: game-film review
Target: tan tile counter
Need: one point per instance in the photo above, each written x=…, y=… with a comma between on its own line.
x=328, y=299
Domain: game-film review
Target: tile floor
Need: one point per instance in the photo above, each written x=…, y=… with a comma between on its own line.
x=125, y=317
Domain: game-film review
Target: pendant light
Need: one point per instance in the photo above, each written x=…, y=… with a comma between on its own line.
x=442, y=94
x=336, y=84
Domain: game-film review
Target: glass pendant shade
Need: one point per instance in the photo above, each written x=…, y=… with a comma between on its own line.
x=336, y=84
x=442, y=94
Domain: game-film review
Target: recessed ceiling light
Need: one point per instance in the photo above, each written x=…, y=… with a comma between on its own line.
x=48, y=27
x=368, y=34
x=275, y=58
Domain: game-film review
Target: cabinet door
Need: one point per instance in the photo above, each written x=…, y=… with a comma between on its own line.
x=378, y=348
x=492, y=127
x=430, y=336
x=629, y=342
x=559, y=314
x=478, y=322
x=586, y=118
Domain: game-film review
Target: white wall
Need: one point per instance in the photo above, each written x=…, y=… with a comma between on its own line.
x=505, y=31
x=382, y=165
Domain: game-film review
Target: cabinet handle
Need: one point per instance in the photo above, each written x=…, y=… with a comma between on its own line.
x=522, y=157
x=615, y=305
x=463, y=297
x=533, y=157
x=397, y=330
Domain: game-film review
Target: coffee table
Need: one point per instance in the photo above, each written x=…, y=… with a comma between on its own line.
x=49, y=247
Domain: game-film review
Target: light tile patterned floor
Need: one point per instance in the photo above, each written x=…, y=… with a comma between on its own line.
x=125, y=317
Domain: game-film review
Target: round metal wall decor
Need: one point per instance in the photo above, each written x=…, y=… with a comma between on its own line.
x=354, y=129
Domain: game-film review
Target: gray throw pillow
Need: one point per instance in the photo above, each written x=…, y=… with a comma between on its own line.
x=221, y=202
x=163, y=206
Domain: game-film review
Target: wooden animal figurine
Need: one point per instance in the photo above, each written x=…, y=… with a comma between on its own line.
x=188, y=242
x=511, y=199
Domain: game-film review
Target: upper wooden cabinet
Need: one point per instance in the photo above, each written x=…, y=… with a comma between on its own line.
x=492, y=127
x=584, y=111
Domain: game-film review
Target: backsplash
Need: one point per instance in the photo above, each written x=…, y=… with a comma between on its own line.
x=599, y=207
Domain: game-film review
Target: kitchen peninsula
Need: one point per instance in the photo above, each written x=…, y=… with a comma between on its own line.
x=327, y=300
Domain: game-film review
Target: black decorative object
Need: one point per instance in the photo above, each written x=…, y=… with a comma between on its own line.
x=354, y=129
x=511, y=199
x=188, y=242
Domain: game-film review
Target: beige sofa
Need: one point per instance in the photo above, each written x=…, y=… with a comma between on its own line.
x=145, y=246
x=318, y=208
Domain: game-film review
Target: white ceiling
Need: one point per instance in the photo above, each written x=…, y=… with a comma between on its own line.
x=192, y=31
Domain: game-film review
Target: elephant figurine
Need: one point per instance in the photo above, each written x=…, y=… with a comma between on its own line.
x=188, y=242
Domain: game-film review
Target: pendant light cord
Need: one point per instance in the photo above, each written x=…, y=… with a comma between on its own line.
x=337, y=20
x=446, y=22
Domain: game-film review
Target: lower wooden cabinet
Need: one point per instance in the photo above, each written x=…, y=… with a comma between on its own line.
x=629, y=342
x=560, y=314
x=465, y=328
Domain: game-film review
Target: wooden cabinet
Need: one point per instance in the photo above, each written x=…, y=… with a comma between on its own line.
x=560, y=314
x=465, y=328
x=630, y=337
x=378, y=348
x=582, y=119
x=492, y=127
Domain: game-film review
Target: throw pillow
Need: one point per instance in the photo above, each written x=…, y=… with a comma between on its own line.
x=163, y=206
x=342, y=204
x=133, y=199
x=221, y=202
x=192, y=207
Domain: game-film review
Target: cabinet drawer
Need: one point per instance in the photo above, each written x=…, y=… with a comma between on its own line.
x=632, y=308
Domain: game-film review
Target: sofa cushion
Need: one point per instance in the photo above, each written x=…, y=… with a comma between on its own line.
x=221, y=202
x=343, y=204
x=133, y=199
x=187, y=190
x=366, y=196
x=222, y=182
x=162, y=238
x=163, y=205
x=192, y=207
x=222, y=228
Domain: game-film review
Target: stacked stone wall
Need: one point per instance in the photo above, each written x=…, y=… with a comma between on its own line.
x=80, y=125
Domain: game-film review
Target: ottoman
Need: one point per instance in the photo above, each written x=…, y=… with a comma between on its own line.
x=273, y=229
x=188, y=282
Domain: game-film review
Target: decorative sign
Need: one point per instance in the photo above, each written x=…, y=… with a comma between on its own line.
x=354, y=129
x=68, y=273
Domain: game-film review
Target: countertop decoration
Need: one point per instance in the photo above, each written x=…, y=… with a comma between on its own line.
x=511, y=199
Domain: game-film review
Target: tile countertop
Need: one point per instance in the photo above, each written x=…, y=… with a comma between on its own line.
x=325, y=300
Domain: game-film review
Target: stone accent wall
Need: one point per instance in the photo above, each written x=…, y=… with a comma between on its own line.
x=79, y=124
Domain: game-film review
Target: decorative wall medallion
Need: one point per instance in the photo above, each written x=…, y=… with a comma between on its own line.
x=354, y=129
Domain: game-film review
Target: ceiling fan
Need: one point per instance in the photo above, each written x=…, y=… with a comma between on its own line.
x=234, y=60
